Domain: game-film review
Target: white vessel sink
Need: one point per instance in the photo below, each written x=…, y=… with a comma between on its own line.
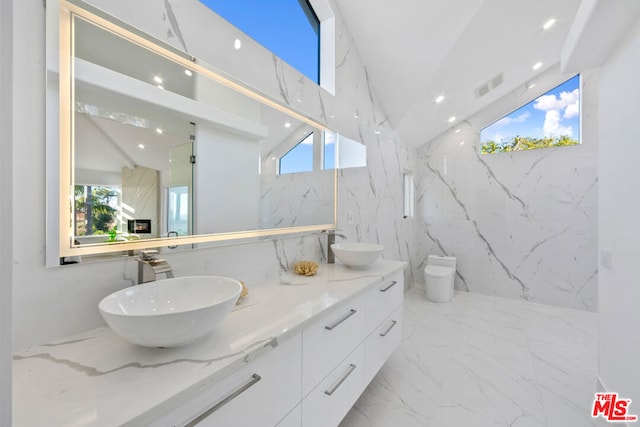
x=170, y=312
x=357, y=255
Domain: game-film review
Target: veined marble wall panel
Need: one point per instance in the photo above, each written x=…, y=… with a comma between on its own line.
x=141, y=197
x=521, y=225
x=296, y=199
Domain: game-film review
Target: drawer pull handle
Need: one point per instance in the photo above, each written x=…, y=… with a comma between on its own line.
x=391, y=285
x=235, y=393
x=342, y=379
x=384, y=334
x=340, y=320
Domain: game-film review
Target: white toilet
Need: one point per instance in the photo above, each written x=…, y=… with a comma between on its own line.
x=439, y=275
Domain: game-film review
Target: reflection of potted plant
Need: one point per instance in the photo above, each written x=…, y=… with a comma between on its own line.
x=112, y=234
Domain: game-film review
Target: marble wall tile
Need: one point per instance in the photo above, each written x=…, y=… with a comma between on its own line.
x=140, y=191
x=521, y=225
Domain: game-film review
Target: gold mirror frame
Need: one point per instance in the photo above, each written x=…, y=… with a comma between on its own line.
x=68, y=12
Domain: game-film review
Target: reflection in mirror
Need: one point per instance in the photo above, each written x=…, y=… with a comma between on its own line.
x=351, y=154
x=163, y=150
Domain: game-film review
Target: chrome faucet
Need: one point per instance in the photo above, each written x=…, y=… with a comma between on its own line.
x=149, y=266
x=331, y=239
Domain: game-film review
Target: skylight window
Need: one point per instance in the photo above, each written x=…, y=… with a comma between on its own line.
x=551, y=120
x=288, y=28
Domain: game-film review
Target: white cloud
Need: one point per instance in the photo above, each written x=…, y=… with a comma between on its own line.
x=551, y=102
x=572, y=110
x=508, y=120
x=552, y=126
x=547, y=102
x=568, y=102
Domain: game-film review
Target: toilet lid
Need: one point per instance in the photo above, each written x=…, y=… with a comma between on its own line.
x=438, y=271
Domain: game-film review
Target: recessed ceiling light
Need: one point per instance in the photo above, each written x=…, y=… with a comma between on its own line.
x=237, y=44
x=188, y=72
x=355, y=116
x=549, y=24
x=157, y=79
x=377, y=132
x=439, y=99
x=531, y=85
x=452, y=119
x=141, y=146
x=537, y=65
x=458, y=130
x=160, y=87
x=287, y=125
x=461, y=142
x=160, y=131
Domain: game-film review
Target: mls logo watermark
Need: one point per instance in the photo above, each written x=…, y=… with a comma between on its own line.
x=611, y=408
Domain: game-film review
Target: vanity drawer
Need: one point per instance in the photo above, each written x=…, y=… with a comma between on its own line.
x=381, y=343
x=261, y=393
x=330, y=401
x=329, y=340
x=383, y=298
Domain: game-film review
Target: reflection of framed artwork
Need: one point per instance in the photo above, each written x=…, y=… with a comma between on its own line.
x=139, y=226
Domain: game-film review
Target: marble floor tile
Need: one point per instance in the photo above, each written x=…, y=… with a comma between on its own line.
x=485, y=361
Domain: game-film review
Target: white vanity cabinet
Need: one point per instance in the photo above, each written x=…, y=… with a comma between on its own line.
x=288, y=356
x=329, y=340
x=312, y=379
x=371, y=328
x=384, y=322
x=381, y=343
x=259, y=394
x=330, y=401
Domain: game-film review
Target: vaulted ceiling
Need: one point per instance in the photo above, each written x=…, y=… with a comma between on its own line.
x=417, y=50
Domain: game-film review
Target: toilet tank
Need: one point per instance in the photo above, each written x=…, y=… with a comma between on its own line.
x=444, y=261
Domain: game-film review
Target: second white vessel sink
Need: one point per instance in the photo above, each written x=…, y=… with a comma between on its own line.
x=170, y=312
x=357, y=255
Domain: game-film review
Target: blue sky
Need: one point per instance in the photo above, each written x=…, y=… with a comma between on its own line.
x=555, y=113
x=279, y=25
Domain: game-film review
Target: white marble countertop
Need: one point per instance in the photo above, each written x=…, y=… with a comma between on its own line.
x=98, y=379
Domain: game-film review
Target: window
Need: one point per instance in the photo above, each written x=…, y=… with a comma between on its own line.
x=288, y=28
x=329, y=150
x=551, y=120
x=178, y=210
x=299, y=158
x=96, y=210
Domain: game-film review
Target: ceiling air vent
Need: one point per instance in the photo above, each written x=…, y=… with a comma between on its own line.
x=487, y=87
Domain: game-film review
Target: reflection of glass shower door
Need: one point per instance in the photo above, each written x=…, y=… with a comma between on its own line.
x=180, y=191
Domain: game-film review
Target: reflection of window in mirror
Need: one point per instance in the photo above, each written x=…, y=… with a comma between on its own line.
x=351, y=154
x=299, y=158
x=97, y=210
x=329, y=150
x=178, y=210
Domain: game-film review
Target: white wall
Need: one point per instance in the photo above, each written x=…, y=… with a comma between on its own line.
x=521, y=225
x=56, y=302
x=619, y=232
x=6, y=215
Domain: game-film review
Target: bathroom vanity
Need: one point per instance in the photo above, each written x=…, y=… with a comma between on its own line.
x=286, y=355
